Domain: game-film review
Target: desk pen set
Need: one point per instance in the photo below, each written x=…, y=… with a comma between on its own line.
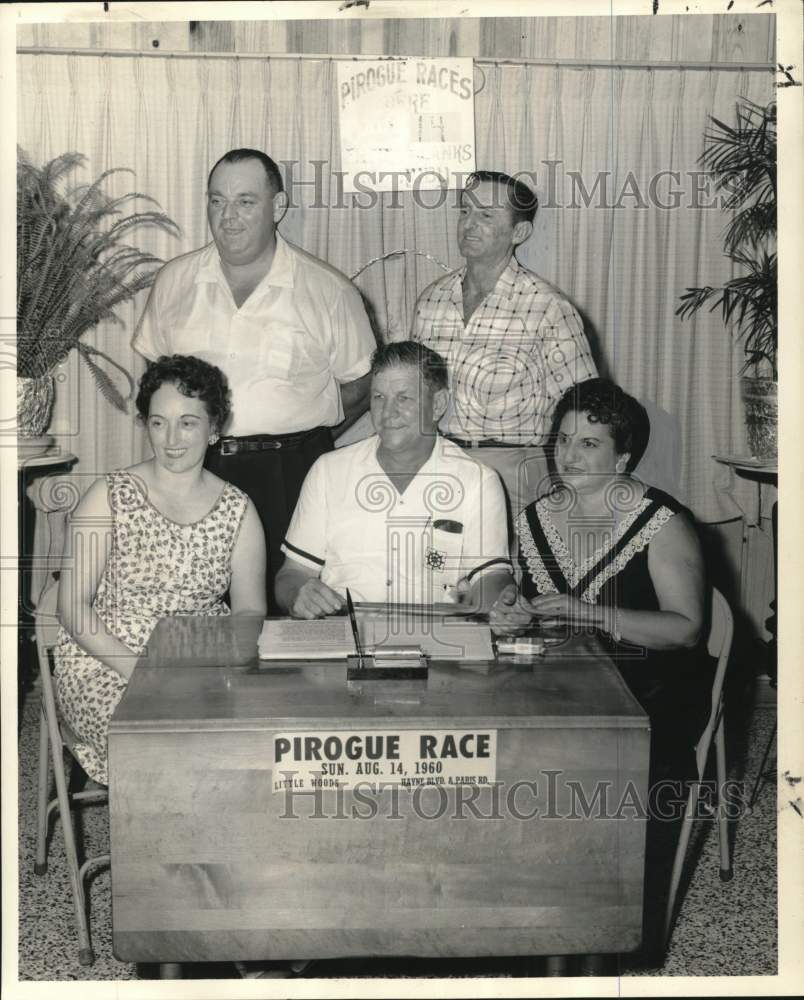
x=397, y=662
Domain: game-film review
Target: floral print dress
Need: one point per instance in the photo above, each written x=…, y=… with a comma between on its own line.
x=156, y=567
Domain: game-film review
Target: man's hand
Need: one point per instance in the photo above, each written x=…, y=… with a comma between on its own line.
x=354, y=397
x=463, y=591
x=510, y=614
x=315, y=599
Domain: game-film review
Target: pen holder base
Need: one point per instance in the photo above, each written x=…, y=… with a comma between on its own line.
x=403, y=664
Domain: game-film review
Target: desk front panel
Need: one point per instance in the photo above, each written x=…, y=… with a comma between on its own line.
x=210, y=862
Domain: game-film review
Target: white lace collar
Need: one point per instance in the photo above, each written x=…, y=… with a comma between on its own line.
x=574, y=574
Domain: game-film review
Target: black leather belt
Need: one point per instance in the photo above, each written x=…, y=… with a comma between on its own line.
x=488, y=443
x=265, y=442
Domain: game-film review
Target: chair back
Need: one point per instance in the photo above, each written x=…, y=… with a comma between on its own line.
x=721, y=632
x=46, y=618
x=54, y=735
x=46, y=630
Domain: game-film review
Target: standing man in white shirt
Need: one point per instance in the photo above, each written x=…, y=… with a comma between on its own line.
x=513, y=343
x=289, y=331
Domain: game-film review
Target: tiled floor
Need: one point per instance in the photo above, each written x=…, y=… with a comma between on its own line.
x=722, y=929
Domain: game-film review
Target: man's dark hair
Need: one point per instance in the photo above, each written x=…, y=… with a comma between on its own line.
x=521, y=200
x=271, y=169
x=193, y=378
x=432, y=366
x=604, y=402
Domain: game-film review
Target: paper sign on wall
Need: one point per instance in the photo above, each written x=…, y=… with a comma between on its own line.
x=409, y=758
x=406, y=124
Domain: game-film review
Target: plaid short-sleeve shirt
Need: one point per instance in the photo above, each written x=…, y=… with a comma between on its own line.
x=522, y=348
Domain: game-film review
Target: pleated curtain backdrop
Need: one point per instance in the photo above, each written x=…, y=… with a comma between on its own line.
x=626, y=222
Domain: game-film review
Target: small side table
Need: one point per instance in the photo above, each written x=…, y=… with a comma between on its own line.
x=40, y=491
x=761, y=472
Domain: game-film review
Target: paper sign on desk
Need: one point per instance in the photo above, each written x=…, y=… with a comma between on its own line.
x=331, y=638
x=411, y=758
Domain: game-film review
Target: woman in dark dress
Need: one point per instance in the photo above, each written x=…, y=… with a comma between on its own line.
x=603, y=549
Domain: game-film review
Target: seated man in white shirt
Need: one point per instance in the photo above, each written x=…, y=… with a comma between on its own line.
x=404, y=516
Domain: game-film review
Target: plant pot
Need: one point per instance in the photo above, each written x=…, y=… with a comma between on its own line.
x=761, y=403
x=34, y=405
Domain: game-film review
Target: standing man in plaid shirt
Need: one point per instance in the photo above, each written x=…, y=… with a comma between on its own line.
x=513, y=343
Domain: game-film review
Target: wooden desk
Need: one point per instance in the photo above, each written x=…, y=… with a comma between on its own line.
x=209, y=862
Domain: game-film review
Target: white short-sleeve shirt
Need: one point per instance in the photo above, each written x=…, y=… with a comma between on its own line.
x=301, y=331
x=352, y=525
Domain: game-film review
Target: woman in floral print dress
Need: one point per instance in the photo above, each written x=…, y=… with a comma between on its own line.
x=164, y=537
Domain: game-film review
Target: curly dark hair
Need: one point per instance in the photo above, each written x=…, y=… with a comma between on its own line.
x=410, y=352
x=604, y=402
x=192, y=377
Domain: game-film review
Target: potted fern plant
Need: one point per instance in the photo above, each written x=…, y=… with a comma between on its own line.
x=74, y=269
x=742, y=162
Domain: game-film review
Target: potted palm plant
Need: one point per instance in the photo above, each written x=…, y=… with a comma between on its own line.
x=74, y=269
x=742, y=162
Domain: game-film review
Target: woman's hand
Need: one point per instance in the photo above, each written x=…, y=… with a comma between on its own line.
x=481, y=595
x=565, y=608
x=510, y=614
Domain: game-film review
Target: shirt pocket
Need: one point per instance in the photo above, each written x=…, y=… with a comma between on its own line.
x=445, y=336
x=443, y=551
x=311, y=359
x=289, y=353
x=277, y=358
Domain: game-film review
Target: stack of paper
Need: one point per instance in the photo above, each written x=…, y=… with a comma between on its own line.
x=331, y=638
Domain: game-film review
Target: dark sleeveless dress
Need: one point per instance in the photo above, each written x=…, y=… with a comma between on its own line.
x=674, y=687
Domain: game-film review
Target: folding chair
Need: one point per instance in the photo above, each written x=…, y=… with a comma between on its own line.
x=719, y=645
x=56, y=734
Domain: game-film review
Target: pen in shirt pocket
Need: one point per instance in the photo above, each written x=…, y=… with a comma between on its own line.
x=453, y=527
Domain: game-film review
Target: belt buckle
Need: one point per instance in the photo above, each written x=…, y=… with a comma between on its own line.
x=228, y=446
